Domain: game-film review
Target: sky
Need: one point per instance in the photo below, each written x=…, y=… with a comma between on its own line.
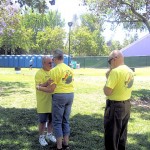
x=68, y=8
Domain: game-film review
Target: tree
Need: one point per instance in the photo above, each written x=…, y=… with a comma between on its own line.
x=50, y=39
x=86, y=39
x=19, y=38
x=133, y=14
x=82, y=42
x=91, y=22
x=115, y=45
x=130, y=40
x=8, y=18
x=95, y=27
x=101, y=48
x=39, y=6
x=53, y=19
x=8, y=21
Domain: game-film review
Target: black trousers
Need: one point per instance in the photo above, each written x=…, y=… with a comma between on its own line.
x=116, y=119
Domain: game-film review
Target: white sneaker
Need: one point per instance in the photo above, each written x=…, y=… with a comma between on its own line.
x=51, y=137
x=42, y=141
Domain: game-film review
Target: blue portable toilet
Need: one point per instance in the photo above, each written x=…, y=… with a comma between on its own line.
x=69, y=60
x=66, y=59
x=33, y=57
x=16, y=61
x=21, y=61
x=39, y=61
x=1, y=61
x=27, y=60
x=11, y=61
x=51, y=56
x=34, y=61
x=5, y=60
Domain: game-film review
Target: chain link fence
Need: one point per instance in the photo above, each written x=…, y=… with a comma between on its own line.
x=101, y=61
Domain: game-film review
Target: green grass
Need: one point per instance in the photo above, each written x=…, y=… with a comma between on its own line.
x=18, y=118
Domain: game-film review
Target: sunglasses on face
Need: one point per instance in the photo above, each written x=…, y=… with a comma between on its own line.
x=109, y=61
x=54, y=58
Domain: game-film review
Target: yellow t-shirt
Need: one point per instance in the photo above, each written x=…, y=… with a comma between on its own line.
x=44, y=100
x=121, y=81
x=62, y=75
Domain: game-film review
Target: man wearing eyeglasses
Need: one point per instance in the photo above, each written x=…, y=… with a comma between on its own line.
x=118, y=90
x=44, y=103
x=62, y=86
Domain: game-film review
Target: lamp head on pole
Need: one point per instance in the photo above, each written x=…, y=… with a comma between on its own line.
x=52, y=2
x=70, y=24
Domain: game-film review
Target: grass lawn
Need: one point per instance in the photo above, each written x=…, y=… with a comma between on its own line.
x=18, y=118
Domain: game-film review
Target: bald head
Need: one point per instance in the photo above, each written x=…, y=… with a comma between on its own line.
x=47, y=63
x=115, y=53
x=45, y=58
x=117, y=58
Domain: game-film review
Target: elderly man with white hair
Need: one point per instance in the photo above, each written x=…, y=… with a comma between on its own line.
x=44, y=102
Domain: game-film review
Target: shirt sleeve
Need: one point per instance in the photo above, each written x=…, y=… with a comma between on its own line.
x=112, y=79
x=38, y=78
x=53, y=75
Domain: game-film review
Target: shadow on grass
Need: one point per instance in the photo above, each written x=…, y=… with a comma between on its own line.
x=143, y=94
x=87, y=132
x=8, y=88
x=18, y=131
x=141, y=141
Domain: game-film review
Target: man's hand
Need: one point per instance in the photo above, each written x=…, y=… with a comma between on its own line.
x=44, y=84
x=50, y=81
x=38, y=87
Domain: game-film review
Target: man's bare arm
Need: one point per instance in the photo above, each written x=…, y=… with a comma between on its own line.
x=48, y=89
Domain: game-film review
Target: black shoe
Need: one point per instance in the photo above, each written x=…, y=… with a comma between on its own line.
x=66, y=147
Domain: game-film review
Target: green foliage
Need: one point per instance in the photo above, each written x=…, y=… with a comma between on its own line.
x=53, y=19
x=50, y=39
x=133, y=14
x=38, y=21
x=88, y=43
x=87, y=39
x=83, y=43
x=102, y=48
x=19, y=38
x=30, y=27
x=91, y=22
x=36, y=5
x=115, y=45
x=22, y=38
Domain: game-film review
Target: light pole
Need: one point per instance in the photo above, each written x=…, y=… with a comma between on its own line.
x=69, y=24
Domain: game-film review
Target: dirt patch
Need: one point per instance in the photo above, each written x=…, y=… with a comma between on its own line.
x=141, y=103
x=1, y=89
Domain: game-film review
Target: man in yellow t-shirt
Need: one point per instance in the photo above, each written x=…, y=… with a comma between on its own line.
x=44, y=102
x=118, y=90
x=63, y=94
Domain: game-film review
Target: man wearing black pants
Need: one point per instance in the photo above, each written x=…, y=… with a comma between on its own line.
x=118, y=90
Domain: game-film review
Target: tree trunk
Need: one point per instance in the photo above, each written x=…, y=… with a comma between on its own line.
x=6, y=51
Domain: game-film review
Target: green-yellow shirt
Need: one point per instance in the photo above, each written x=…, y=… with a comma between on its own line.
x=44, y=100
x=121, y=81
x=62, y=75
